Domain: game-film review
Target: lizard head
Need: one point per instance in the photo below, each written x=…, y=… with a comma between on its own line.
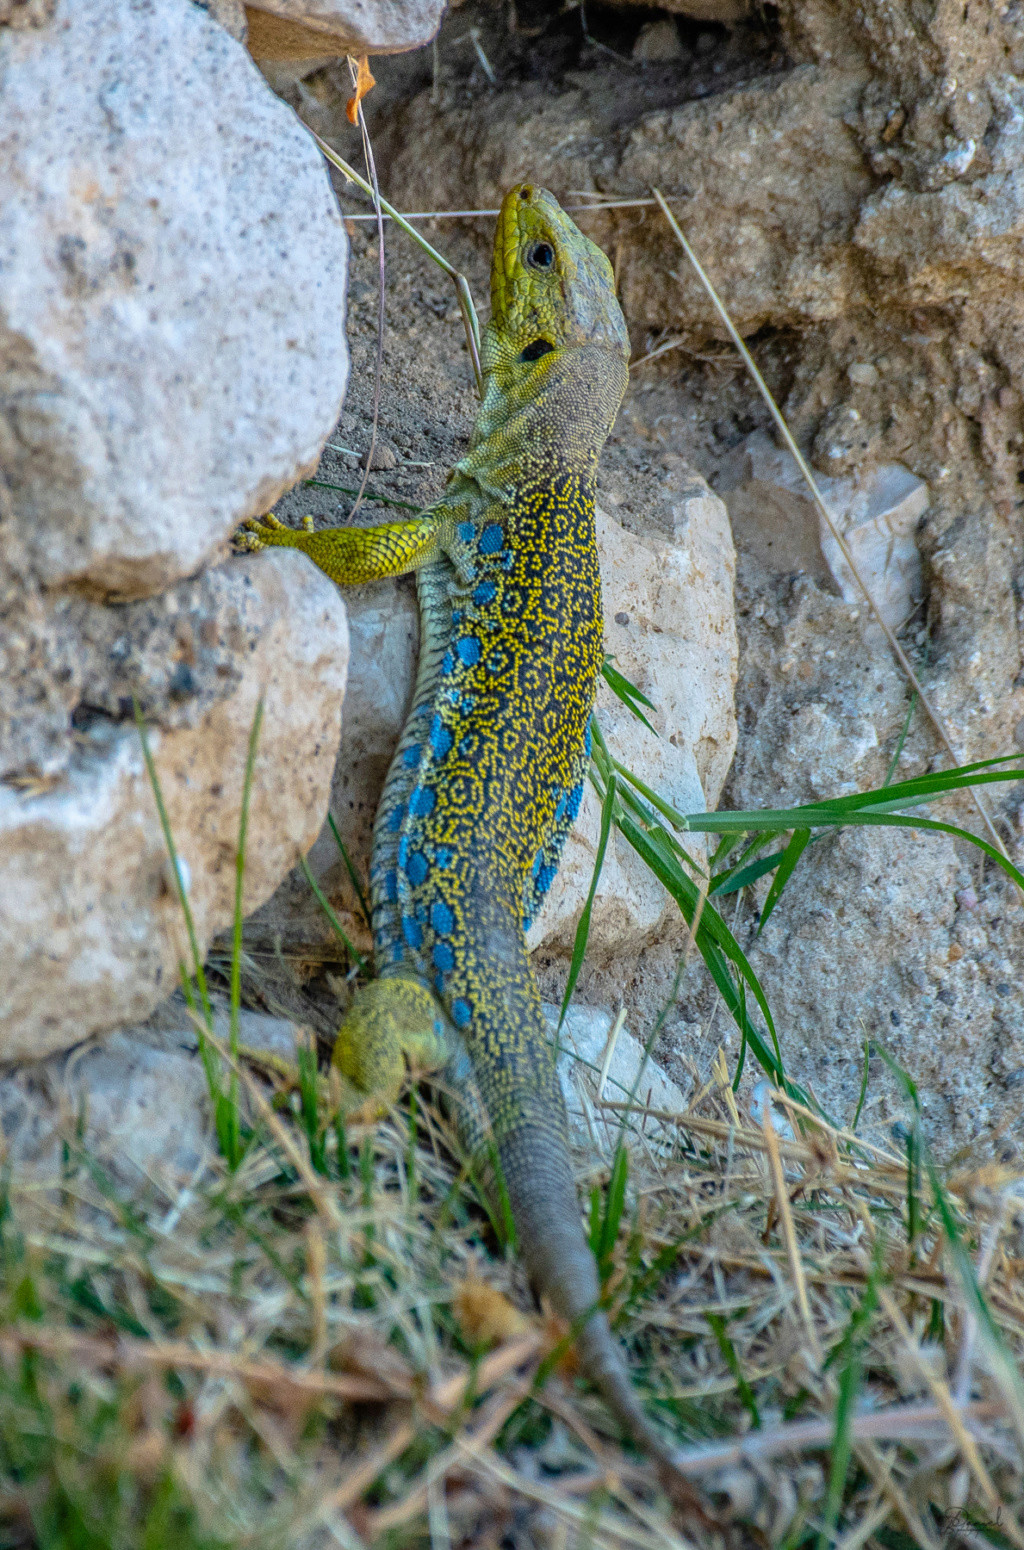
x=552, y=289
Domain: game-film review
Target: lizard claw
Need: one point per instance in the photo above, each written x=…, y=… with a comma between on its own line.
x=264, y=532
x=258, y=532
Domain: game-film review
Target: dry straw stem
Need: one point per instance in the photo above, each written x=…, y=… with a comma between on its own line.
x=298, y=1294
x=462, y=290
x=134, y=1355
x=812, y=485
x=796, y=1268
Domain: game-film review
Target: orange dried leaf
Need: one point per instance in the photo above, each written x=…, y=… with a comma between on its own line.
x=485, y=1315
x=364, y=83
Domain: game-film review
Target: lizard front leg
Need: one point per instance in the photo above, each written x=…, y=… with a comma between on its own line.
x=350, y=555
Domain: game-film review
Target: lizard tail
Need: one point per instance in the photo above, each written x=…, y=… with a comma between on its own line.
x=545, y=1208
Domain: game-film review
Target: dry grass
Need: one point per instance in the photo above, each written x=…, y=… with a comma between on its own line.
x=302, y=1351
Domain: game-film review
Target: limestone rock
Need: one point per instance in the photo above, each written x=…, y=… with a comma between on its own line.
x=877, y=515
x=584, y=1057
x=172, y=293
x=144, y=1100
x=726, y=11
x=669, y=623
x=143, y=1094
x=301, y=29
x=90, y=924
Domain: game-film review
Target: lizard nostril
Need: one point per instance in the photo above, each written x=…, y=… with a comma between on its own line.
x=526, y=192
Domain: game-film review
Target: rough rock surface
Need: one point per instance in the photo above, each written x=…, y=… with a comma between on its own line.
x=355, y=26
x=770, y=505
x=590, y=1071
x=143, y=414
x=885, y=935
x=143, y=1094
x=91, y=928
x=144, y=1098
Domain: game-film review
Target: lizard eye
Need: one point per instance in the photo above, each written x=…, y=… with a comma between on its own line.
x=540, y=255
x=534, y=351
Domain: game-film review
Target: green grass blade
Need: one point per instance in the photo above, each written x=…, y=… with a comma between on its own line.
x=732, y=1361
x=732, y=882
x=235, y=1153
x=336, y=925
x=353, y=875
x=176, y=870
x=902, y=739
x=850, y=1352
x=863, y=1087
x=627, y=692
x=579, y=946
x=722, y=954
x=381, y=500
x=790, y=856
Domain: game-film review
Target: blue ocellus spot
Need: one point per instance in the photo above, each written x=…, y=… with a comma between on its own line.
x=465, y=532
x=444, y=958
x=421, y=803
x=395, y=818
x=545, y=877
x=485, y=593
x=573, y=805
x=412, y=931
x=461, y=1012
x=507, y=559
x=411, y=756
x=588, y=740
x=441, y=918
x=491, y=539
x=444, y=857
x=469, y=650
x=563, y=803
x=440, y=738
x=448, y=661
x=416, y=868
x=391, y=886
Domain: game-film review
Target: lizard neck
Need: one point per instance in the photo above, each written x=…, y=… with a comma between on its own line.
x=530, y=432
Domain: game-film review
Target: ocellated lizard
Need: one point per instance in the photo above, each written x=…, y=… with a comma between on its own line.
x=488, y=775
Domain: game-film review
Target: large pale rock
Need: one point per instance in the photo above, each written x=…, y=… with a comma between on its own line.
x=90, y=926
x=308, y=29
x=172, y=293
x=597, y=1063
x=669, y=623
x=143, y=1095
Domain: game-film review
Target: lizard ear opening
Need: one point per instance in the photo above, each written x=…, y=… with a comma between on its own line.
x=534, y=351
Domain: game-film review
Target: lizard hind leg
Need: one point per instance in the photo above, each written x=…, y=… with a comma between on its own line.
x=394, y=1023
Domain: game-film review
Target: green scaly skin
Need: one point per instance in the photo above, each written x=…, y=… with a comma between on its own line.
x=489, y=771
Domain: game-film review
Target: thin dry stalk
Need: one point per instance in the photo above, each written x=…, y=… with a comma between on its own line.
x=796, y=1268
x=897, y=650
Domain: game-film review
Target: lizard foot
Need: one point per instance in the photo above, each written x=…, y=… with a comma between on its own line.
x=267, y=532
x=393, y=1024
